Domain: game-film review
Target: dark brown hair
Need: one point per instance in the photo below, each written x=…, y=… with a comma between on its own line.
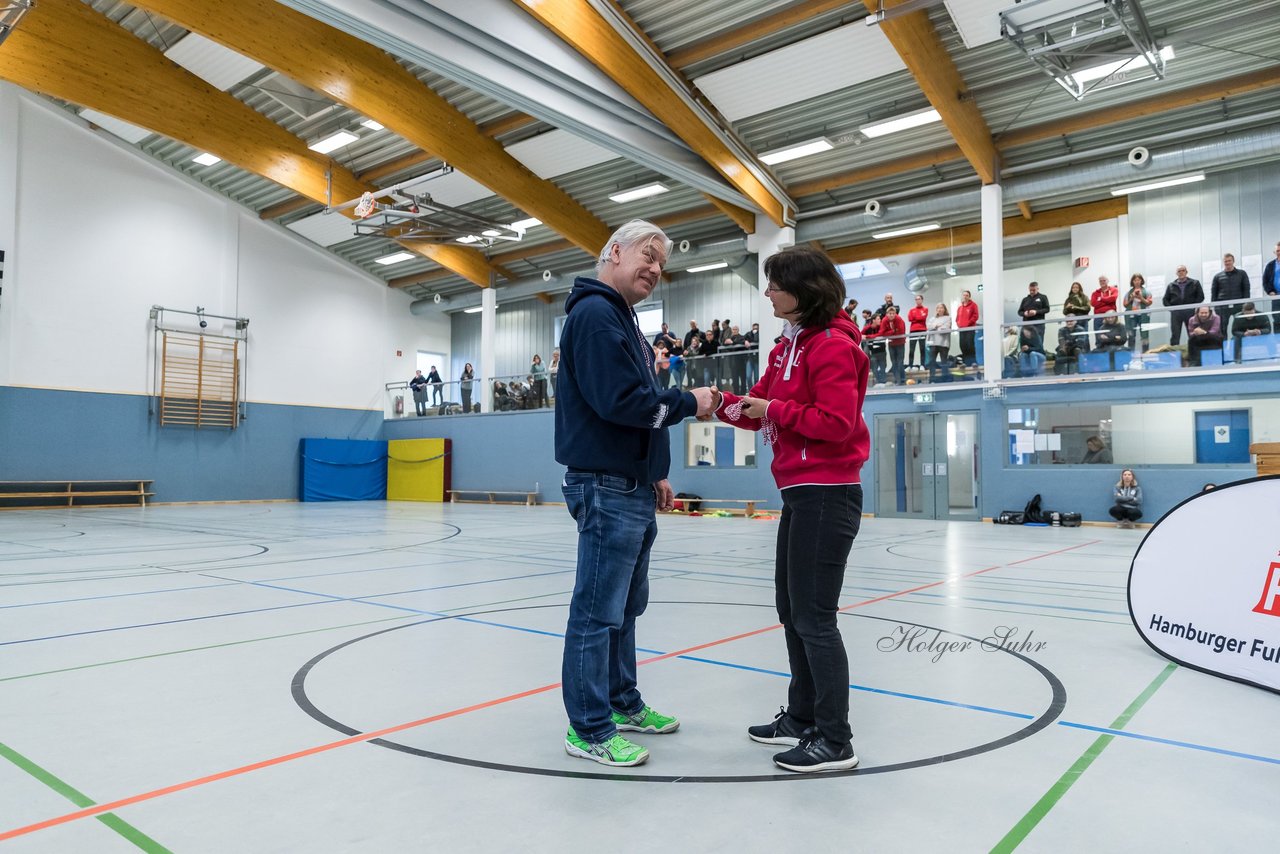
x=809, y=276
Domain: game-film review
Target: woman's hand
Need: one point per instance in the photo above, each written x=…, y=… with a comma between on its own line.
x=754, y=407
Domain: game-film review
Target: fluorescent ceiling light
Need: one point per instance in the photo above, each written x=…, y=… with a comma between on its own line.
x=330, y=143
x=525, y=224
x=910, y=120
x=491, y=233
x=470, y=238
x=206, y=159
x=644, y=192
x=1101, y=72
x=719, y=265
x=910, y=229
x=1158, y=185
x=476, y=310
x=863, y=269
x=394, y=258
x=794, y=152
x=372, y=125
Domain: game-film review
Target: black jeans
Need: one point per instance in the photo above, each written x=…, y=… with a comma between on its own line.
x=967, y=349
x=1120, y=512
x=815, y=534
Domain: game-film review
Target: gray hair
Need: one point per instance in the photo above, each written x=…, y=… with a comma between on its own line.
x=636, y=231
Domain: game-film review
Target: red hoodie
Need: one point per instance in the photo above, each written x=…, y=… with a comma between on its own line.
x=918, y=316
x=894, y=329
x=967, y=315
x=815, y=385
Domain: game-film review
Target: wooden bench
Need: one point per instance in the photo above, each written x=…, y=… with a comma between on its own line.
x=748, y=508
x=1268, y=457
x=529, y=499
x=45, y=494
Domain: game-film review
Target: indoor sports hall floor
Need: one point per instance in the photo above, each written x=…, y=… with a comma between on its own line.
x=382, y=677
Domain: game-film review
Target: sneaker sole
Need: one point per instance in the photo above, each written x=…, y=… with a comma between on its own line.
x=652, y=730
x=834, y=765
x=777, y=739
x=584, y=754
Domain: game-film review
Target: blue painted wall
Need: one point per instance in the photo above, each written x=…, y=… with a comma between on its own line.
x=48, y=434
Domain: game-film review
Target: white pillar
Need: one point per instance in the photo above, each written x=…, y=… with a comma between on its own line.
x=992, y=303
x=488, y=345
x=767, y=239
x=10, y=128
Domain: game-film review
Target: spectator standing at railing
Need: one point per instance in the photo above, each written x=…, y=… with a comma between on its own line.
x=665, y=338
x=851, y=309
x=418, y=385
x=888, y=301
x=1248, y=324
x=873, y=344
x=1271, y=275
x=1034, y=307
x=939, y=344
x=752, y=340
x=894, y=330
x=1183, y=290
x=693, y=333
x=538, y=387
x=554, y=370
x=1204, y=332
x=1230, y=283
x=662, y=364
x=1076, y=304
x=1104, y=300
x=967, y=322
x=1138, y=299
x=735, y=362
x=465, y=385
x=710, y=365
x=918, y=318
x=676, y=365
x=437, y=386
x=693, y=361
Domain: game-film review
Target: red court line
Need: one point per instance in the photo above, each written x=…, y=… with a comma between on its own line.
x=99, y=809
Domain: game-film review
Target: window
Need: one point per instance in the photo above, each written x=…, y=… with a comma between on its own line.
x=427, y=359
x=718, y=446
x=1180, y=432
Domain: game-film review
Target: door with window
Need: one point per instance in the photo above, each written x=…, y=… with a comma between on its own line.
x=927, y=466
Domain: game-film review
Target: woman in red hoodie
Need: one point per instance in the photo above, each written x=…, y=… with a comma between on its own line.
x=918, y=319
x=808, y=405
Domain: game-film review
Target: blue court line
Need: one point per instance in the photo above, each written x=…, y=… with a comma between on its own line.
x=117, y=595
x=1126, y=734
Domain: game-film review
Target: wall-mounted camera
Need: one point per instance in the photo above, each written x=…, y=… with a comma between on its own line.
x=204, y=324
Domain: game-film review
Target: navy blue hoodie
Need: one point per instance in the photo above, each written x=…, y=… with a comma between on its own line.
x=610, y=414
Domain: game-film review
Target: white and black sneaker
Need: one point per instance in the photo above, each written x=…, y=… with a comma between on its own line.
x=815, y=753
x=783, y=730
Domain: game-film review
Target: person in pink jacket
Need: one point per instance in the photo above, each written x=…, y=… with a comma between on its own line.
x=808, y=405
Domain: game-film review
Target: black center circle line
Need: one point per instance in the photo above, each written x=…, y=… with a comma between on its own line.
x=1044, y=719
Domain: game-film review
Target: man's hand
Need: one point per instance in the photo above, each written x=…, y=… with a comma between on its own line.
x=708, y=401
x=666, y=498
x=754, y=407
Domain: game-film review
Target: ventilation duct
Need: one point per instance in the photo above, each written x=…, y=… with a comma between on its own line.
x=934, y=272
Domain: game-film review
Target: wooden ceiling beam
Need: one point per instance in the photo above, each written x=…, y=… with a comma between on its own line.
x=741, y=217
x=923, y=160
x=583, y=28
x=759, y=29
x=966, y=234
x=369, y=81
x=917, y=42
x=66, y=50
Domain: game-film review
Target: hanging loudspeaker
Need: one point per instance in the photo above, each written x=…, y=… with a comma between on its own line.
x=546, y=275
x=1139, y=156
x=874, y=208
x=437, y=299
x=684, y=246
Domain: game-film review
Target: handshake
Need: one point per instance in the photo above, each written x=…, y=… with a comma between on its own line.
x=708, y=402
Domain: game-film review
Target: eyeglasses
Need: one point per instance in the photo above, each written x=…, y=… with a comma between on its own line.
x=773, y=289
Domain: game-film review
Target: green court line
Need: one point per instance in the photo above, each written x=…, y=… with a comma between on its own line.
x=1020, y=831
x=202, y=648
x=119, y=825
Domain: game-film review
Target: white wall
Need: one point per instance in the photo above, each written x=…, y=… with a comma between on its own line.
x=104, y=233
x=1150, y=433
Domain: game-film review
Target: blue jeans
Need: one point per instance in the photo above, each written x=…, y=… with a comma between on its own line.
x=616, y=529
x=1031, y=363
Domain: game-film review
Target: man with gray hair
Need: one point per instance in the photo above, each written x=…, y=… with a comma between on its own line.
x=611, y=434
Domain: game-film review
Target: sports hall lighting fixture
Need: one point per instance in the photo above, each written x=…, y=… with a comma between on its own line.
x=476, y=310
x=702, y=268
x=901, y=123
x=333, y=142
x=206, y=159
x=492, y=232
x=654, y=189
x=794, y=152
x=470, y=238
x=910, y=229
x=372, y=125
x=525, y=224
x=393, y=258
x=1102, y=72
x=1158, y=185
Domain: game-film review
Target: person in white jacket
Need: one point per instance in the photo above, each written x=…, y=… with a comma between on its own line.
x=939, y=340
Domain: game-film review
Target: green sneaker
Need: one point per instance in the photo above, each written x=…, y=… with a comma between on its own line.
x=614, y=751
x=645, y=720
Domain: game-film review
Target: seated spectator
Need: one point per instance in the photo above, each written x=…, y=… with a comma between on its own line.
x=1073, y=339
x=1128, y=498
x=1204, y=332
x=1112, y=336
x=1031, y=357
x=1097, y=452
x=1248, y=324
x=1010, y=348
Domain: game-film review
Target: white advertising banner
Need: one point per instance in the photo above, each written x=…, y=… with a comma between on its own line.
x=1204, y=588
